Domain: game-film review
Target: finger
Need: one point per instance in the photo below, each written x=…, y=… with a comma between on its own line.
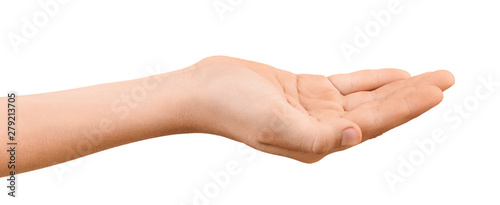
x=377, y=117
x=294, y=130
x=442, y=79
x=316, y=94
x=366, y=80
x=336, y=132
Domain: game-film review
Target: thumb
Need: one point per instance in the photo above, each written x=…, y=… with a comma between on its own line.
x=292, y=129
x=338, y=133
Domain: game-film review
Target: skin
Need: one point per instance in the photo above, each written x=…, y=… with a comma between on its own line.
x=304, y=117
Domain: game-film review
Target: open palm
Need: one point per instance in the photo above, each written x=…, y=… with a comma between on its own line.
x=306, y=117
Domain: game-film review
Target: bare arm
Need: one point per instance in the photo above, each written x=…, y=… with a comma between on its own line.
x=304, y=117
x=60, y=126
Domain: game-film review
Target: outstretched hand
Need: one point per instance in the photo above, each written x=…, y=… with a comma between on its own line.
x=306, y=117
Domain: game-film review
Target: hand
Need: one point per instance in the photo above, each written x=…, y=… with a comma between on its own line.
x=306, y=117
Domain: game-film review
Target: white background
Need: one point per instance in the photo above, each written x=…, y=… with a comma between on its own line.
x=91, y=42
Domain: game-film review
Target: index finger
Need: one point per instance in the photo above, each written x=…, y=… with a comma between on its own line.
x=366, y=80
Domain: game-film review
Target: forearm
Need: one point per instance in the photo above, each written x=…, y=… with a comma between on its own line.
x=56, y=127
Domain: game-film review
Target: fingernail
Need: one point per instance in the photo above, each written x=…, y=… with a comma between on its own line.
x=350, y=137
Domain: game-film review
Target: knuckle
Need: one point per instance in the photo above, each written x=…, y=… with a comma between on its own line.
x=266, y=137
x=321, y=145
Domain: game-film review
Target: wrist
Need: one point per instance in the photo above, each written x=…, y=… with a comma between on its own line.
x=176, y=102
x=192, y=105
